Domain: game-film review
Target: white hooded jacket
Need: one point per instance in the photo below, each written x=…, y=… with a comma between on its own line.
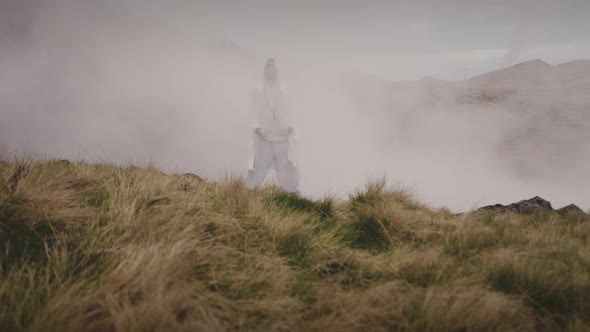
x=270, y=110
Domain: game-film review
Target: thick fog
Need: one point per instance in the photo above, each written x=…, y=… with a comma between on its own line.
x=107, y=83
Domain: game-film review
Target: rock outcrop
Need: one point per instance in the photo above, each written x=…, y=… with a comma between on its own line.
x=533, y=205
x=193, y=176
x=570, y=209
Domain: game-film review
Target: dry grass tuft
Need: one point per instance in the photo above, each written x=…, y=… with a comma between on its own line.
x=107, y=248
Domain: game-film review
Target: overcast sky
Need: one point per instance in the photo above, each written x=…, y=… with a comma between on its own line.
x=447, y=39
x=399, y=40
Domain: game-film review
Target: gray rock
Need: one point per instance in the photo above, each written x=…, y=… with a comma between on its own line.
x=570, y=209
x=497, y=208
x=193, y=176
x=537, y=204
x=533, y=205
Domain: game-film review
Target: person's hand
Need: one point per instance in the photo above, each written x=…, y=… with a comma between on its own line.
x=261, y=132
x=287, y=132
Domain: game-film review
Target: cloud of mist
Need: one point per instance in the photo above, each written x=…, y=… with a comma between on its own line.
x=102, y=84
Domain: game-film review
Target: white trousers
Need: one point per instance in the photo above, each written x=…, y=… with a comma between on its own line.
x=268, y=154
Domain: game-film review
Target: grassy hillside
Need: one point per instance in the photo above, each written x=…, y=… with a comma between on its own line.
x=106, y=248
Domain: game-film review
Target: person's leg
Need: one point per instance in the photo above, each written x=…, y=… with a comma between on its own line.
x=263, y=155
x=287, y=173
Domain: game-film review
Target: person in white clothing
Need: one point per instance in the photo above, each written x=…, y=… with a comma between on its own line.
x=273, y=134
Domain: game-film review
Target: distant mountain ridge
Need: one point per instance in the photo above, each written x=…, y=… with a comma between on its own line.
x=536, y=71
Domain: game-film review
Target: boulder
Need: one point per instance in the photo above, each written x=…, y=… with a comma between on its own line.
x=533, y=205
x=193, y=176
x=570, y=209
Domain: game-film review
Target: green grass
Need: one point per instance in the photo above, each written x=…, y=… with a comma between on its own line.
x=106, y=248
x=369, y=230
x=291, y=203
x=21, y=241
